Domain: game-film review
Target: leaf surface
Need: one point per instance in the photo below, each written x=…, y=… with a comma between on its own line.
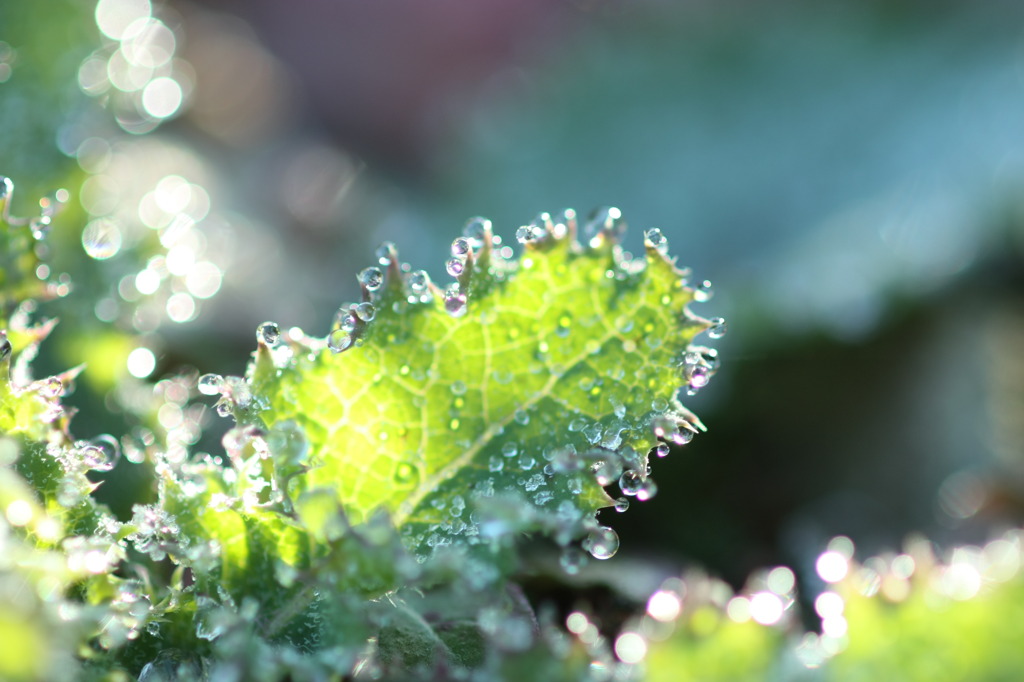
x=558, y=362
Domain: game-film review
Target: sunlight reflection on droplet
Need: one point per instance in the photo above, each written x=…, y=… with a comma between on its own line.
x=180, y=260
x=101, y=239
x=113, y=17
x=170, y=416
x=181, y=307
x=895, y=589
x=832, y=566
x=960, y=581
x=147, y=281
x=172, y=193
x=99, y=195
x=903, y=566
x=1002, y=560
x=630, y=647
x=92, y=76
x=148, y=42
x=141, y=362
x=204, y=280
x=766, y=608
x=664, y=606
x=162, y=97
x=781, y=580
x=126, y=76
x=834, y=627
x=576, y=622
x=738, y=609
x=19, y=513
x=829, y=605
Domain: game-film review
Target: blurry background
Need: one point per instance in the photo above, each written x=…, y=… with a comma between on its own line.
x=847, y=173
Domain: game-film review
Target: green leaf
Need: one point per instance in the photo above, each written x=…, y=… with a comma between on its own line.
x=516, y=383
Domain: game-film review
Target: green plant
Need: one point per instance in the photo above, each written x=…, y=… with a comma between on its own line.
x=391, y=465
x=415, y=495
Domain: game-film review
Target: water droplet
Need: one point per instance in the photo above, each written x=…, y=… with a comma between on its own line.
x=476, y=230
x=339, y=340
x=509, y=449
x=365, y=311
x=6, y=187
x=418, y=281
x=621, y=504
x=704, y=291
x=5, y=344
x=223, y=407
x=533, y=482
x=461, y=247
x=458, y=506
x=664, y=427
x=606, y=471
x=577, y=424
x=522, y=417
x=268, y=333
x=717, y=329
x=459, y=388
x=526, y=462
x=101, y=239
x=51, y=387
x=101, y=454
x=455, y=301
x=661, y=450
x=455, y=267
x=612, y=439
x=530, y=234
x=682, y=437
x=592, y=433
x=344, y=319
x=210, y=384
x=699, y=377
x=630, y=482
x=648, y=489
x=710, y=358
x=371, y=278
x=602, y=543
x=405, y=473
x=495, y=464
x=39, y=227
x=605, y=224
x=384, y=252
x=543, y=219
x=656, y=240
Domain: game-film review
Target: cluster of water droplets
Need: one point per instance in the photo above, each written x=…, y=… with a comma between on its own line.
x=34, y=268
x=352, y=319
x=39, y=225
x=155, y=532
x=234, y=393
x=606, y=226
x=262, y=464
x=697, y=366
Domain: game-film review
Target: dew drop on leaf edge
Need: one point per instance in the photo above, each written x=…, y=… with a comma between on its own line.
x=602, y=543
x=268, y=333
